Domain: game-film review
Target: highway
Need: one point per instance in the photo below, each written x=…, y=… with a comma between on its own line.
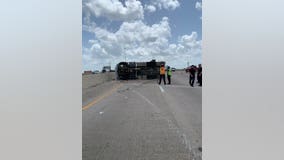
x=141, y=120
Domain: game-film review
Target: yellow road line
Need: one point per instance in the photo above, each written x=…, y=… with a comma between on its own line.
x=96, y=100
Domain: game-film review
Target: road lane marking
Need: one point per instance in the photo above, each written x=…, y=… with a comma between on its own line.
x=187, y=145
x=157, y=110
x=146, y=99
x=101, y=112
x=161, y=88
x=96, y=100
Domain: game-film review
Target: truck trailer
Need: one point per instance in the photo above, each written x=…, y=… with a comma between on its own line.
x=138, y=70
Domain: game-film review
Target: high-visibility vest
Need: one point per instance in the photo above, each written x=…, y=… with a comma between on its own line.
x=169, y=73
x=162, y=70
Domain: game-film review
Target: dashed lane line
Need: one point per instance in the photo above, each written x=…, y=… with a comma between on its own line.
x=161, y=88
x=146, y=99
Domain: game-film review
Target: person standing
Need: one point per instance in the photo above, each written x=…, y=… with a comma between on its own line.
x=199, y=74
x=192, y=71
x=162, y=74
x=169, y=74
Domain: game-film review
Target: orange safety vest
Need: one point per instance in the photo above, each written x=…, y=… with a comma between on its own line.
x=162, y=71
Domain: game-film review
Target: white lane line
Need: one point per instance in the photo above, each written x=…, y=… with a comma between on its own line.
x=157, y=110
x=101, y=112
x=161, y=88
x=187, y=143
x=146, y=99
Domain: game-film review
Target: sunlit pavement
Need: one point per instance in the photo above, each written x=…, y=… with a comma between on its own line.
x=141, y=120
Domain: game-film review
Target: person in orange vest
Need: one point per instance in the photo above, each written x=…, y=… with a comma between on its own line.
x=162, y=74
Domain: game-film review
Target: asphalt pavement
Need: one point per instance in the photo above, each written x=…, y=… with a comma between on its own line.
x=141, y=120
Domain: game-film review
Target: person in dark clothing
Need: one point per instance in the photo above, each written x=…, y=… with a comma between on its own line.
x=192, y=71
x=199, y=74
x=162, y=74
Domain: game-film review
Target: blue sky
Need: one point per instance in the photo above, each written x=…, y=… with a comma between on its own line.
x=169, y=30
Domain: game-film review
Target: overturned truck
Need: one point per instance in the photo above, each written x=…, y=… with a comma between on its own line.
x=138, y=70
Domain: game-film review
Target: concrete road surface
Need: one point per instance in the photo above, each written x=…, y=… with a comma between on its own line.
x=140, y=120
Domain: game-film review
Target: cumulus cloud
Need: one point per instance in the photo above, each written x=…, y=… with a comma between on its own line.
x=140, y=42
x=150, y=8
x=115, y=10
x=89, y=27
x=133, y=38
x=191, y=44
x=198, y=6
x=166, y=4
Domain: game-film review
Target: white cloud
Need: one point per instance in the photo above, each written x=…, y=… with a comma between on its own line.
x=188, y=48
x=89, y=27
x=115, y=10
x=133, y=37
x=198, y=6
x=140, y=42
x=150, y=8
x=166, y=4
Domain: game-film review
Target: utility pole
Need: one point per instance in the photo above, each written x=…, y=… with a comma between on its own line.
x=110, y=65
x=136, y=69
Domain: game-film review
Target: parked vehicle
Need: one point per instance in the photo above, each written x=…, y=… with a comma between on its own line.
x=106, y=69
x=96, y=72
